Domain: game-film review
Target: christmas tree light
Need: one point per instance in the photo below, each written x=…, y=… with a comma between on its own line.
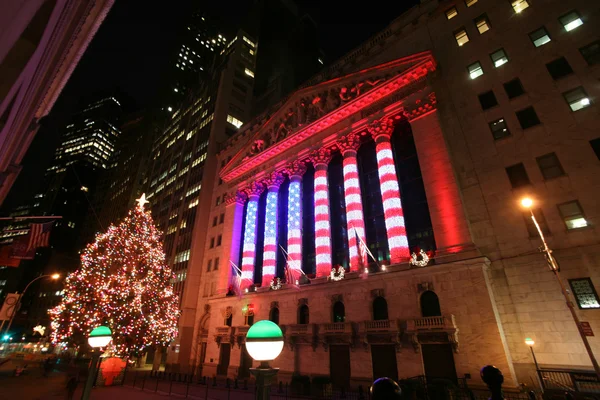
x=124, y=283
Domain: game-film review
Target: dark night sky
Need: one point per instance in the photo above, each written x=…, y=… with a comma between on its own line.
x=132, y=50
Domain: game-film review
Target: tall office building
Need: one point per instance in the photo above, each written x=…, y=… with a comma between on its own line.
x=420, y=144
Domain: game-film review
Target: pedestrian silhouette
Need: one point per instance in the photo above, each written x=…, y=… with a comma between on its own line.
x=71, y=386
x=385, y=389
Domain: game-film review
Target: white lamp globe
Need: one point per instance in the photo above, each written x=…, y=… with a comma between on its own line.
x=264, y=341
x=100, y=337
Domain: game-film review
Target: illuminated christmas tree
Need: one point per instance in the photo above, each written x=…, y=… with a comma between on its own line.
x=123, y=283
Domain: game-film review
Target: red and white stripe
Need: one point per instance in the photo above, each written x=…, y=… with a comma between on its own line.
x=249, y=249
x=354, y=211
x=322, y=224
x=294, y=239
x=39, y=235
x=270, y=237
x=392, y=206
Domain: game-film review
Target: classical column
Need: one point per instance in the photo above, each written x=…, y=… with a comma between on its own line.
x=249, y=249
x=295, y=171
x=354, y=210
x=273, y=183
x=381, y=131
x=320, y=159
x=234, y=212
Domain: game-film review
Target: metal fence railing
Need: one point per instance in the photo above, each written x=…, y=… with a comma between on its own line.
x=570, y=381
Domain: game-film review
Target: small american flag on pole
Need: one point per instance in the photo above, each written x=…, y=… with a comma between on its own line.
x=39, y=235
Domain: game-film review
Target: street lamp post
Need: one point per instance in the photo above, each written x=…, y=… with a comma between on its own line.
x=529, y=342
x=18, y=304
x=99, y=337
x=264, y=342
x=553, y=265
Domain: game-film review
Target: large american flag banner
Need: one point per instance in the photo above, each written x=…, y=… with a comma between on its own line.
x=39, y=235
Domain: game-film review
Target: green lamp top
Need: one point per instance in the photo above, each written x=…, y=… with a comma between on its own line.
x=264, y=331
x=101, y=331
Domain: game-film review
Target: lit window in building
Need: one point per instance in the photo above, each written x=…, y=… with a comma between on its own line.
x=499, y=58
x=84, y=189
x=461, y=36
x=169, y=109
x=249, y=72
x=520, y=5
x=469, y=3
x=451, y=13
x=475, y=70
x=193, y=204
x=571, y=20
x=499, y=128
x=483, y=24
x=572, y=215
x=584, y=292
x=540, y=37
x=250, y=42
x=234, y=121
x=577, y=99
x=176, y=90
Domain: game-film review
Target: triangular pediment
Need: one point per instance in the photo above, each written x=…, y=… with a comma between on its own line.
x=313, y=109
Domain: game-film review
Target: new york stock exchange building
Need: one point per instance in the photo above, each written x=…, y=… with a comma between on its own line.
x=358, y=217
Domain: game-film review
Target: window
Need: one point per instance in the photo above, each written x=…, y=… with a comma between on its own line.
x=559, y=68
x=469, y=3
x=380, y=309
x=514, y=88
x=482, y=23
x=216, y=267
x=430, y=304
x=499, y=58
x=550, y=166
x=541, y=220
x=577, y=99
x=451, y=13
x=539, y=37
x=339, y=312
x=249, y=72
x=519, y=5
x=487, y=100
x=215, y=221
x=212, y=242
x=591, y=53
x=461, y=36
x=475, y=70
x=303, y=315
x=527, y=118
x=234, y=121
x=274, y=315
x=571, y=20
x=595, y=143
x=584, y=292
x=221, y=218
x=218, y=201
x=572, y=215
x=208, y=265
x=499, y=128
x=219, y=240
x=517, y=175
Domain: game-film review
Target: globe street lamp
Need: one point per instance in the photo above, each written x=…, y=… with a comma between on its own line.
x=99, y=337
x=264, y=342
x=18, y=303
x=530, y=342
x=555, y=268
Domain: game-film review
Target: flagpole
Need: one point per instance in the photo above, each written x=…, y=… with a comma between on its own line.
x=366, y=247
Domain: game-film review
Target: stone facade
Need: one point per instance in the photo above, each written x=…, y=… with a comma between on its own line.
x=493, y=285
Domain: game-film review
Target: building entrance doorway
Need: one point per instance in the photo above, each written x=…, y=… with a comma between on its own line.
x=224, y=354
x=438, y=361
x=339, y=366
x=383, y=358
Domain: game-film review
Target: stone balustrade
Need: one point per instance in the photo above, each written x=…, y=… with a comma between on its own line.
x=444, y=322
x=384, y=325
x=336, y=328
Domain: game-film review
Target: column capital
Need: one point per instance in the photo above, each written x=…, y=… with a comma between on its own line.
x=350, y=142
x=295, y=168
x=238, y=197
x=320, y=156
x=383, y=127
x=254, y=189
x=274, y=180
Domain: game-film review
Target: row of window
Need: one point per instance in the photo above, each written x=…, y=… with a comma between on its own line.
x=218, y=241
x=517, y=5
x=220, y=219
x=212, y=266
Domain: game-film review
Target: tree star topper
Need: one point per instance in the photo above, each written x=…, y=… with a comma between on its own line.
x=142, y=201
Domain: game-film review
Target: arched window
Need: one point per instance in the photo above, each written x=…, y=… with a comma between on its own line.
x=339, y=312
x=228, y=320
x=430, y=304
x=274, y=315
x=303, y=314
x=380, y=309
